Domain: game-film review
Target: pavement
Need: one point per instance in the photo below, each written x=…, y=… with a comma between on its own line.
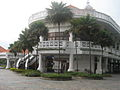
x=12, y=81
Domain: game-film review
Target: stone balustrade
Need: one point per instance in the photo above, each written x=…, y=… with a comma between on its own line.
x=10, y=55
x=81, y=45
x=100, y=16
x=53, y=44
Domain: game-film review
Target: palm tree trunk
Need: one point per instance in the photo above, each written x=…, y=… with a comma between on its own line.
x=59, y=47
x=102, y=60
x=76, y=53
x=90, y=54
x=36, y=57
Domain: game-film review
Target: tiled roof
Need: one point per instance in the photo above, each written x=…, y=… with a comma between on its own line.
x=71, y=6
x=3, y=49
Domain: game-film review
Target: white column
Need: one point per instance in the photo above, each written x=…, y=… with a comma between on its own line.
x=99, y=66
x=70, y=37
x=106, y=65
x=8, y=63
x=41, y=38
x=40, y=67
x=71, y=68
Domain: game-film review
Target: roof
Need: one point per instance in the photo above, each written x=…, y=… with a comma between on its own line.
x=3, y=49
x=71, y=6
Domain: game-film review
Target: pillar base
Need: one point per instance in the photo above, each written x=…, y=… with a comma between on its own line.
x=7, y=68
x=40, y=69
x=70, y=70
x=99, y=71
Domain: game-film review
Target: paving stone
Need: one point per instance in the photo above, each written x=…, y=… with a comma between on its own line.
x=12, y=81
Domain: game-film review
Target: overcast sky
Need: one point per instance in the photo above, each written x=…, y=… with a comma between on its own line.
x=14, y=14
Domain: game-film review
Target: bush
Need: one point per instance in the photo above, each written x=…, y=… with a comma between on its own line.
x=32, y=73
x=72, y=73
x=95, y=76
x=55, y=76
x=12, y=69
x=86, y=75
x=18, y=70
x=81, y=74
x=106, y=75
x=2, y=66
x=29, y=73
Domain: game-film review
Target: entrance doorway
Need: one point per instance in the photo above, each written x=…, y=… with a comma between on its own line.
x=54, y=65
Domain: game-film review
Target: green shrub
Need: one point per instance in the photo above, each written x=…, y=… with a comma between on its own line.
x=55, y=76
x=95, y=76
x=17, y=70
x=106, y=75
x=3, y=66
x=72, y=73
x=81, y=74
x=12, y=69
x=32, y=73
x=86, y=75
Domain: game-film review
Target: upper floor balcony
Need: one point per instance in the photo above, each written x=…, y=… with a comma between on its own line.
x=81, y=12
x=82, y=47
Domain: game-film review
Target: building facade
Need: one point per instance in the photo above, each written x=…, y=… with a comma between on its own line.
x=75, y=55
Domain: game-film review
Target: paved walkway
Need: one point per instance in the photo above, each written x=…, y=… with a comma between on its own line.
x=12, y=81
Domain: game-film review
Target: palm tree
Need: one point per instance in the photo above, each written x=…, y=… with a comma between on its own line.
x=15, y=48
x=24, y=40
x=104, y=39
x=58, y=14
x=85, y=28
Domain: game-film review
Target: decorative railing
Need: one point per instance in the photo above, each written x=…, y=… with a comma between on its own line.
x=85, y=45
x=54, y=44
x=10, y=55
x=81, y=45
x=82, y=12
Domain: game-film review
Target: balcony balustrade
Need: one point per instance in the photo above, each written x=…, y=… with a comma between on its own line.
x=10, y=55
x=100, y=16
x=81, y=45
x=54, y=44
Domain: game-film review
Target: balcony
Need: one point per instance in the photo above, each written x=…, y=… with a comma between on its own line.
x=54, y=44
x=82, y=46
x=100, y=16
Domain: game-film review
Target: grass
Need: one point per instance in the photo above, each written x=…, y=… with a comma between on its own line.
x=32, y=73
x=86, y=75
x=56, y=76
x=3, y=66
x=61, y=76
x=29, y=73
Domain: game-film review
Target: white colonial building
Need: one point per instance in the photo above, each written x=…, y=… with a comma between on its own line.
x=70, y=61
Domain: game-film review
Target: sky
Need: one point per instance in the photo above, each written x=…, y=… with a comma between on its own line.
x=14, y=14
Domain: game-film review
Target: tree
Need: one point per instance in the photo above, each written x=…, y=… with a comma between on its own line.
x=37, y=29
x=104, y=39
x=24, y=41
x=15, y=48
x=58, y=13
x=85, y=28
